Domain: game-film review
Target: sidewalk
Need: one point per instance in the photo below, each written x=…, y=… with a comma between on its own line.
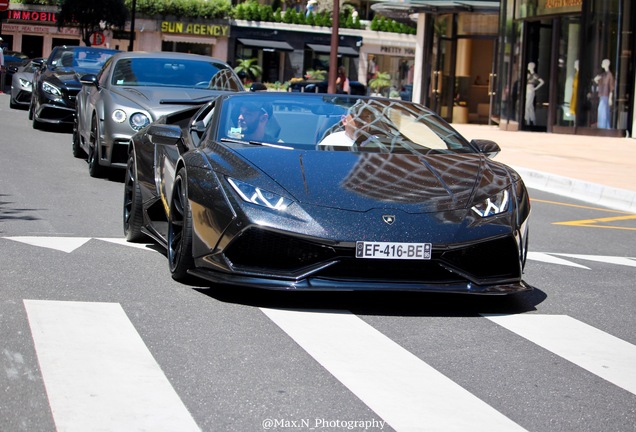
x=596, y=170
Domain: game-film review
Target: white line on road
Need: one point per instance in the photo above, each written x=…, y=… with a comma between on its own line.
x=402, y=389
x=98, y=373
x=64, y=244
x=630, y=262
x=607, y=356
x=547, y=258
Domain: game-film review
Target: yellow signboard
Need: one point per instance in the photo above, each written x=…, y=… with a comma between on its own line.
x=195, y=29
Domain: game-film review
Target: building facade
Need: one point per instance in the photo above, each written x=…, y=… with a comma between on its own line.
x=566, y=66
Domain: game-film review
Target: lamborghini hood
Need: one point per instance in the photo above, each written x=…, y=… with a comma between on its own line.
x=364, y=181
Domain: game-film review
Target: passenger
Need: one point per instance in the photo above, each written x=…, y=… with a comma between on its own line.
x=360, y=125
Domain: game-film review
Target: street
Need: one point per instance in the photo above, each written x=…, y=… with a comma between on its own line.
x=96, y=336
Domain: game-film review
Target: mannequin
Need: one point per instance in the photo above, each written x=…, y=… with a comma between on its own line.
x=605, y=82
x=534, y=83
x=575, y=88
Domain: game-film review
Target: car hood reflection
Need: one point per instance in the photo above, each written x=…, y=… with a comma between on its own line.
x=364, y=181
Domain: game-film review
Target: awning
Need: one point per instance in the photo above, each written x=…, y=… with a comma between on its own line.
x=397, y=7
x=325, y=49
x=267, y=44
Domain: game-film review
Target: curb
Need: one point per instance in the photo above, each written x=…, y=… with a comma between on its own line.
x=594, y=193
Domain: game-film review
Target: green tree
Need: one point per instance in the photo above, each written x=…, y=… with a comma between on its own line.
x=91, y=16
x=249, y=67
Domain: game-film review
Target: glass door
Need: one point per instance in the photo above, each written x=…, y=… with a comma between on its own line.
x=443, y=66
x=536, y=108
x=567, y=79
x=443, y=82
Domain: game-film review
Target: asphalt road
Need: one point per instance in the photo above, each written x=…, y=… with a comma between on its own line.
x=95, y=335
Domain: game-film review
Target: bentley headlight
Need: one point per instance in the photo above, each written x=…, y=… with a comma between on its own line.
x=119, y=116
x=493, y=205
x=49, y=88
x=259, y=196
x=139, y=121
x=25, y=83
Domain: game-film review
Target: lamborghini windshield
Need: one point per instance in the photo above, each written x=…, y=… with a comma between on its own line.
x=336, y=123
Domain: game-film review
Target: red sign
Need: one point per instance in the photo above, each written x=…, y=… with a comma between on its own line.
x=97, y=38
x=4, y=5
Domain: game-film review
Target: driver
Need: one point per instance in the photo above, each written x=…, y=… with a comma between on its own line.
x=252, y=122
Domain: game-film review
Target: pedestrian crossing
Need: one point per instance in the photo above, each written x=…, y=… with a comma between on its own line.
x=98, y=371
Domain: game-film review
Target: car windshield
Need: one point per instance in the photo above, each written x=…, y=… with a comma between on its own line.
x=81, y=59
x=166, y=72
x=337, y=123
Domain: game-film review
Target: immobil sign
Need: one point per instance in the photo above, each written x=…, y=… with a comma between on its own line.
x=32, y=16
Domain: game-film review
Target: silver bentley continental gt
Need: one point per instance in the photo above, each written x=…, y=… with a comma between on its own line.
x=134, y=89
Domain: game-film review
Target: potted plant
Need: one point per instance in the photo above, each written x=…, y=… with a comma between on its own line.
x=248, y=69
x=378, y=83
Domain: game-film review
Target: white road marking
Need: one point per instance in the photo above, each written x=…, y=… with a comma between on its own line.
x=630, y=262
x=604, y=355
x=64, y=244
x=402, y=389
x=547, y=258
x=98, y=373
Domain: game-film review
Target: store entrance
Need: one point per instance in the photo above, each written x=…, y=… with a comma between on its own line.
x=32, y=45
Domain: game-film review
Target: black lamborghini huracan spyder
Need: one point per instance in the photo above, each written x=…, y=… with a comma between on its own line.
x=326, y=192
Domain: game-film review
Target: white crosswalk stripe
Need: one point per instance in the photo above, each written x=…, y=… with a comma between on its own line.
x=402, y=389
x=98, y=373
x=604, y=355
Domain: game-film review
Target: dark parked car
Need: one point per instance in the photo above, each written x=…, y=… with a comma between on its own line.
x=357, y=88
x=56, y=82
x=326, y=192
x=21, y=84
x=134, y=89
x=12, y=61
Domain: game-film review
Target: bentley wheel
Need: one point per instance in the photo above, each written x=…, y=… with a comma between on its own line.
x=78, y=152
x=180, y=230
x=94, y=168
x=132, y=211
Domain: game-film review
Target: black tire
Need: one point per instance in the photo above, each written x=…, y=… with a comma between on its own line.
x=132, y=208
x=180, y=230
x=78, y=151
x=94, y=168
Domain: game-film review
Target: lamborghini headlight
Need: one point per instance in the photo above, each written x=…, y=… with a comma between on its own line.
x=256, y=195
x=493, y=205
x=25, y=83
x=52, y=90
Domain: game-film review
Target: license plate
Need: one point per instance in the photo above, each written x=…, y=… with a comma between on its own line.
x=390, y=250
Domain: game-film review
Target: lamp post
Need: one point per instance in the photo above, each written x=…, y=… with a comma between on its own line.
x=333, y=55
x=132, y=25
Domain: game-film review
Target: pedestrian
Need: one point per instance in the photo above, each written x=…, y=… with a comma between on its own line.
x=311, y=7
x=342, y=82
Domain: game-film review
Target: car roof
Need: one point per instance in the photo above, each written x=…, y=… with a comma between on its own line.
x=164, y=55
